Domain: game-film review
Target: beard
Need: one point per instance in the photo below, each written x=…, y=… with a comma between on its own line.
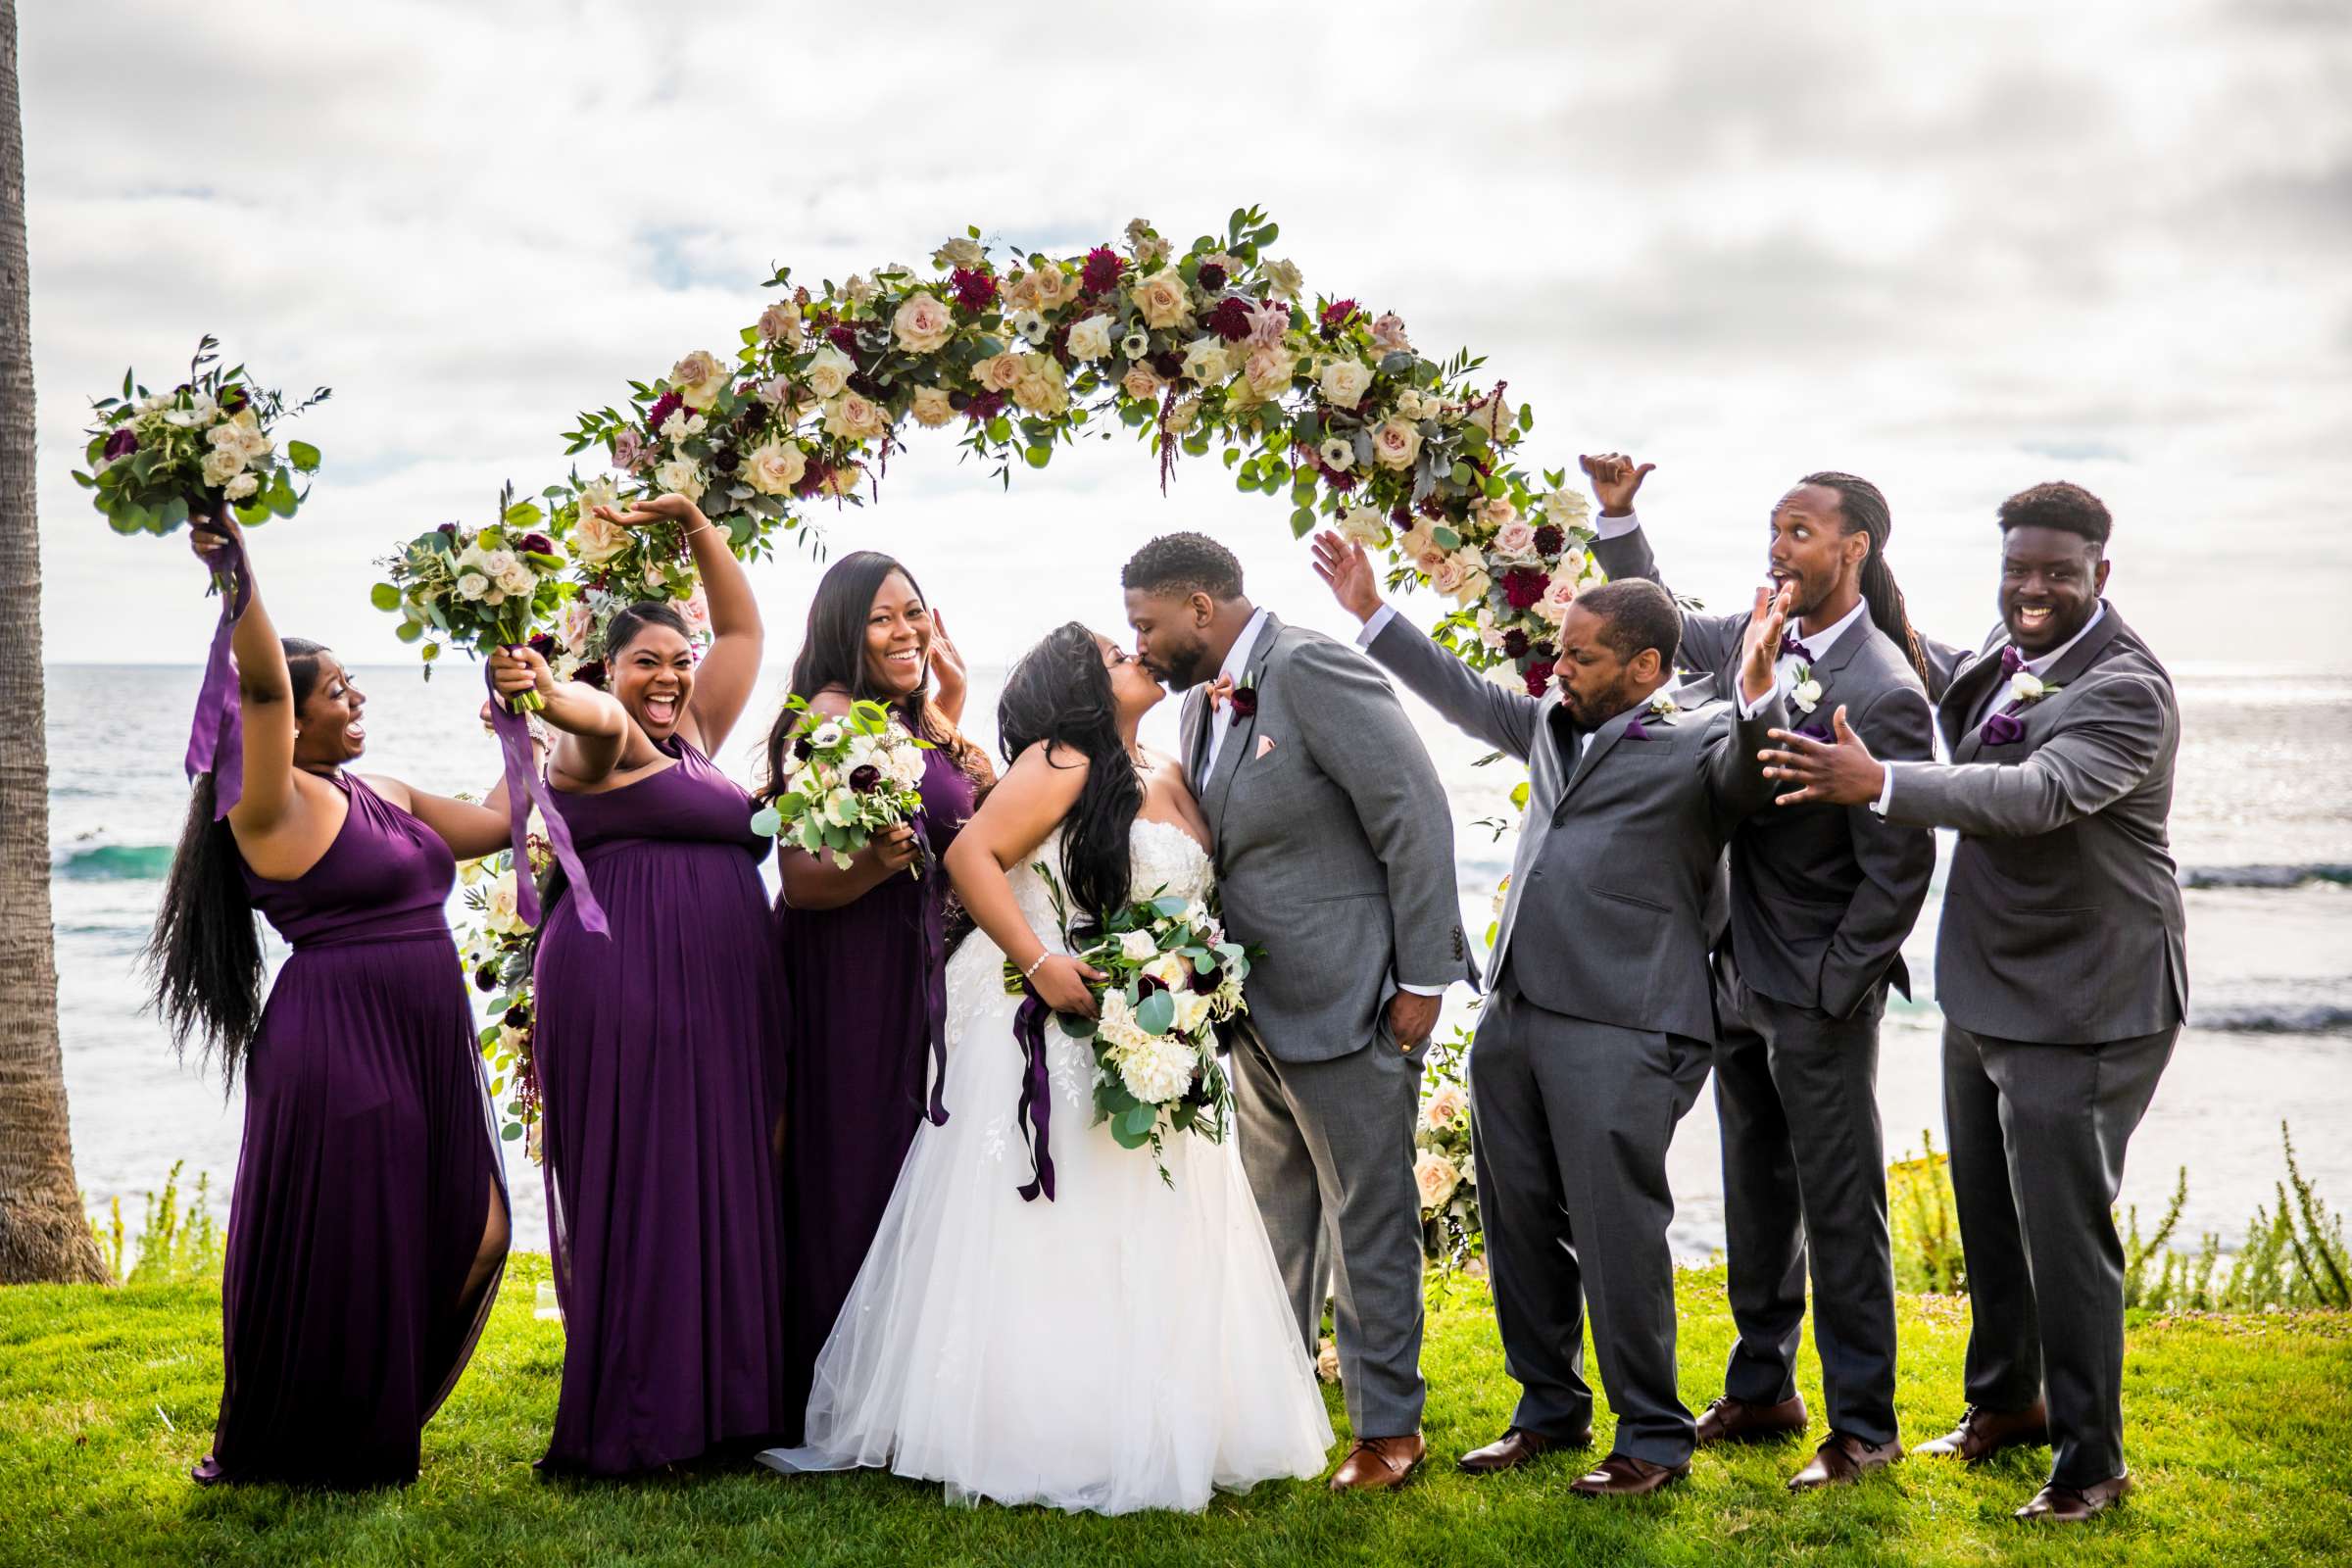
x=1179, y=670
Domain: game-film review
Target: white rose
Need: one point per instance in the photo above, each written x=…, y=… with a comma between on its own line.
x=829, y=371
x=1344, y=382
x=1807, y=695
x=859, y=290
x=923, y=324
x=518, y=579
x=1567, y=508
x=1338, y=454
x=1090, y=339
x=1365, y=525
x=960, y=251
x=2024, y=686
x=1284, y=279
x=682, y=425
x=699, y=378
x=1039, y=387
x=854, y=416
x=780, y=324
x=776, y=467
x=238, y=488
x=1182, y=414
x=1163, y=299
x=472, y=585
x=1437, y=1178
x=503, y=912
x=497, y=563
x=1207, y=360
x=222, y=465
x=1139, y=946
x=595, y=540
x=932, y=407
x=681, y=474
x=1395, y=444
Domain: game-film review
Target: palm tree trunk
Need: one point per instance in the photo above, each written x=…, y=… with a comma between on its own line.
x=43, y=1234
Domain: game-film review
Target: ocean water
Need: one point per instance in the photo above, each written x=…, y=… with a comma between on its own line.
x=2262, y=827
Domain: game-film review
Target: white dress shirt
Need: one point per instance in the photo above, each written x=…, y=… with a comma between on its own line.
x=2038, y=665
x=1817, y=648
x=1237, y=662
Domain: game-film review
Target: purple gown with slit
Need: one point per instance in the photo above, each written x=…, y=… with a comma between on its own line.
x=366, y=1174
x=656, y=1050
x=862, y=980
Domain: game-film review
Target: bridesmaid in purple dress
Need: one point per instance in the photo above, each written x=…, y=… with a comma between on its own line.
x=369, y=1224
x=656, y=1044
x=862, y=950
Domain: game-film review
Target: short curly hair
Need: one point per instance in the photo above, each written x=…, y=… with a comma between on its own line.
x=1179, y=563
x=1635, y=613
x=2058, y=504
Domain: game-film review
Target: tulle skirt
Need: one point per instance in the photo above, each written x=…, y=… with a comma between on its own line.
x=1125, y=1347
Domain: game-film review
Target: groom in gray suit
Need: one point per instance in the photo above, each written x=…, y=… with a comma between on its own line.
x=2062, y=968
x=1600, y=1013
x=1821, y=899
x=1335, y=852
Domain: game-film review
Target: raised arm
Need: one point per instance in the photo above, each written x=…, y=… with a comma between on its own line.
x=470, y=828
x=591, y=728
x=1019, y=812
x=1478, y=708
x=1622, y=549
x=1735, y=781
x=265, y=702
x=723, y=680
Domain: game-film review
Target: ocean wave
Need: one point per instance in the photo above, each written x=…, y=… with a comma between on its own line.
x=2262, y=876
x=2274, y=1018
x=113, y=862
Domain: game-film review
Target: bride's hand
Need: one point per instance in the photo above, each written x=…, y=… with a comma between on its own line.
x=1061, y=981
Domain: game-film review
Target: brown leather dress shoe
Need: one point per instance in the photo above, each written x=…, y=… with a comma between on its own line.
x=1516, y=1447
x=1621, y=1475
x=1984, y=1432
x=1376, y=1464
x=2068, y=1505
x=1842, y=1459
x=1730, y=1420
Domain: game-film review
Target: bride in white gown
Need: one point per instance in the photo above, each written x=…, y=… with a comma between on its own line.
x=1128, y=1343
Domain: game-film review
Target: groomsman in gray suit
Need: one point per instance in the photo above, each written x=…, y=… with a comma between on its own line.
x=1821, y=899
x=1599, y=1016
x=2062, y=969
x=1335, y=852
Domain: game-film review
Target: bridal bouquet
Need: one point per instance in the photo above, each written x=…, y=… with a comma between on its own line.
x=158, y=457
x=496, y=947
x=478, y=588
x=844, y=779
x=1172, y=977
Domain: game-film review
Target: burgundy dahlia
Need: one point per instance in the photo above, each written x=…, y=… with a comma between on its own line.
x=1523, y=586
x=518, y=1016
x=449, y=528
x=983, y=406
x=1539, y=676
x=543, y=644
x=866, y=778
x=1230, y=321
x=121, y=444
x=1550, y=539
x=668, y=404
x=592, y=673
x=1169, y=364
x=486, y=977
x=537, y=543
x=1545, y=652
x=974, y=290
x=1514, y=642
x=844, y=339
x=1101, y=274
x=727, y=460
x=1210, y=277
x=1335, y=315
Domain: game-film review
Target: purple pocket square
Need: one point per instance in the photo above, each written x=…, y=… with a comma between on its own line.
x=1634, y=732
x=2004, y=729
x=1815, y=730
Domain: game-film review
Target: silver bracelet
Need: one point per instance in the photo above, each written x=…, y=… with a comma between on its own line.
x=1034, y=963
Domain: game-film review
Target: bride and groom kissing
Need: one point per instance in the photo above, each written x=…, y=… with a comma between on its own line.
x=1136, y=1345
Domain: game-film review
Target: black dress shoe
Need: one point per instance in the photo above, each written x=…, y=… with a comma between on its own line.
x=1516, y=1447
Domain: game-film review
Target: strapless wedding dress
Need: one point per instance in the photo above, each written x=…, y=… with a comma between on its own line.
x=1126, y=1346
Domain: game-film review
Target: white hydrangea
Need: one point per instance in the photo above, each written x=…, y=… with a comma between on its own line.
x=1158, y=1069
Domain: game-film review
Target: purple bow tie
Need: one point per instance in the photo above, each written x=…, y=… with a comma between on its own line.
x=2011, y=660
x=1792, y=647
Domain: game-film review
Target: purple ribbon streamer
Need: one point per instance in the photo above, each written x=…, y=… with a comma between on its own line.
x=935, y=991
x=216, y=735
x=525, y=788
x=1037, y=1092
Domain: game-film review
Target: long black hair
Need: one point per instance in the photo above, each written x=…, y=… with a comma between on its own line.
x=833, y=653
x=1059, y=693
x=205, y=954
x=1862, y=506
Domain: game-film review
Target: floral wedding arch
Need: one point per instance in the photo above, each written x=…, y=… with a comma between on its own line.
x=1315, y=401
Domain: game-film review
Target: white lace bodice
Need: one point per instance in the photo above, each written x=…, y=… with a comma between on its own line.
x=1165, y=860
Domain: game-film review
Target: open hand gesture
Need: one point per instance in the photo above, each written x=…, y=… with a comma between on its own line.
x=1760, y=647
x=671, y=508
x=947, y=663
x=1615, y=479
x=1344, y=567
x=1838, y=772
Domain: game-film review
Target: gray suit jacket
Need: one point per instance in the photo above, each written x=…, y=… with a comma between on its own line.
x=1606, y=916
x=1335, y=845
x=2062, y=923
x=1822, y=896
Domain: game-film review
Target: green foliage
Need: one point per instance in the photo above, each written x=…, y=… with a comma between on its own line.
x=1925, y=1221
x=2293, y=1255
x=175, y=1245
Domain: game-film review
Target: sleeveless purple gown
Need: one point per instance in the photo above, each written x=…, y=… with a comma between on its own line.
x=365, y=1178
x=657, y=1070
x=860, y=980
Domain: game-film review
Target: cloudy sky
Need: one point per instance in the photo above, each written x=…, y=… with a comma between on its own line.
x=1956, y=253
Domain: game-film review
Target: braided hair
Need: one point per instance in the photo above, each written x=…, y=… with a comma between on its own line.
x=1861, y=505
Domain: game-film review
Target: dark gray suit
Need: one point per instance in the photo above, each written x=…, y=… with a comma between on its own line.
x=2062, y=969
x=1335, y=852
x=1822, y=898
x=1594, y=1039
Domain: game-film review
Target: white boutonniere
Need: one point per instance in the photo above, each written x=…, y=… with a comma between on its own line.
x=2027, y=687
x=1806, y=692
x=1664, y=706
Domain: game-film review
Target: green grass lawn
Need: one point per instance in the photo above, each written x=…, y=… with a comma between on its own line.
x=2239, y=1435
